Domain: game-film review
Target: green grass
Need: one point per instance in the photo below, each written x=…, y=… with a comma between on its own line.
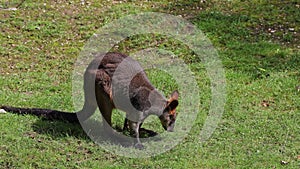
x=257, y=41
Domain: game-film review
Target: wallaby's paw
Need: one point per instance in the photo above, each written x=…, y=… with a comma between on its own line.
x=139, y=146
x=2, y=111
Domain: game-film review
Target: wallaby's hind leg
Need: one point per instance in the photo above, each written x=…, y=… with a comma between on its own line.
x=105, y=107
x=106, y=111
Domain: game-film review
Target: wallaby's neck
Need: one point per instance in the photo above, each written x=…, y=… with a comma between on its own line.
x=148, y=100
x=158, y=103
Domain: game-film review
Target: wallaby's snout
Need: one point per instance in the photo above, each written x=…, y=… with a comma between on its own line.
x=170, y=128
x=168, y=121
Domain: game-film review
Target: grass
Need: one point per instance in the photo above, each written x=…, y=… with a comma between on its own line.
x=257, y=42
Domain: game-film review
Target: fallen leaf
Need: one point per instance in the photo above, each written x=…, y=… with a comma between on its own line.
x=265, y=103
x=283, y=162
x=2, y=111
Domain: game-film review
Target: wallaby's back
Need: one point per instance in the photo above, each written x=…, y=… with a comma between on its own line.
x=130, y=81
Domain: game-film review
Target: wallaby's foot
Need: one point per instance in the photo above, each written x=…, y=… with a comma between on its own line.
x=139, y=146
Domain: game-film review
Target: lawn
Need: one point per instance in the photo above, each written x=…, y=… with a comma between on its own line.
x=257, y=42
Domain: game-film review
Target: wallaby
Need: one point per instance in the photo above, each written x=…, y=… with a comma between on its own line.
x=105, y=88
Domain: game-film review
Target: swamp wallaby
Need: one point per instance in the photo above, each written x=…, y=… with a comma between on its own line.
x=108, y=85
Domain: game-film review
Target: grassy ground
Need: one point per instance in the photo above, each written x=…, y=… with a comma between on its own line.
x=257, y=41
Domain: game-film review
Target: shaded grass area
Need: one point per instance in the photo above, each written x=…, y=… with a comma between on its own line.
x=257, y=42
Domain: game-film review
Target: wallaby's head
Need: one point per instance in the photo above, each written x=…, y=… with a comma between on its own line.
x=168, y=117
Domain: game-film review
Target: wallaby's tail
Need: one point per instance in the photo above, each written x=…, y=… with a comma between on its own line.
x=45, y=113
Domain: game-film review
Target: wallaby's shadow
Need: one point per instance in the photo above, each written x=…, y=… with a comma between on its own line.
x=59, y=129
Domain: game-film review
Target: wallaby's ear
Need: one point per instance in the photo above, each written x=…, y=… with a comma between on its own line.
x=174, y=96
x=173, y=105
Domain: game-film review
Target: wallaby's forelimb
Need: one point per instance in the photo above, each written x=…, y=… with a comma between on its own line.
x=135, y=126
